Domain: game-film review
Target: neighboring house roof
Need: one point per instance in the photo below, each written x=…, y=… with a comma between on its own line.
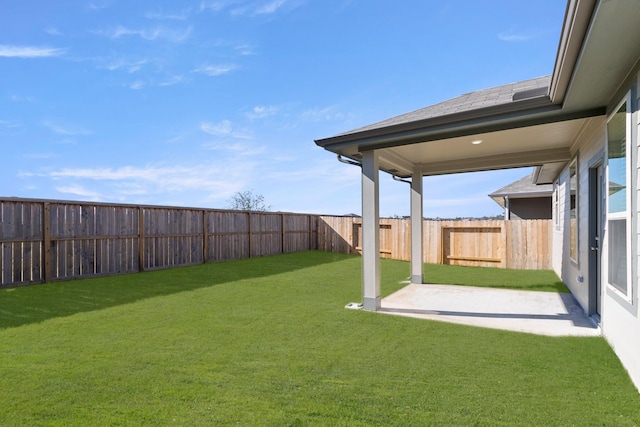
x=523, y=188
x=529, y=123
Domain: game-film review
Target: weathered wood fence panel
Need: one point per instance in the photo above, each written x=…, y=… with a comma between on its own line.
x=21, y=242
x=43, y=240
x=300, y=232
x=520, y=244
x=89, y=240
x=172, y=237
x=228, y=235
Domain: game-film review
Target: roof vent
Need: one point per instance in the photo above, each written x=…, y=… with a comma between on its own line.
x=530, y=93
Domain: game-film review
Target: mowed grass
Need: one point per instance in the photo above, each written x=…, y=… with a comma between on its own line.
x=267, y=341
x=526, y=280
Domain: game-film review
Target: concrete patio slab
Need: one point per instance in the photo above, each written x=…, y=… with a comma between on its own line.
x=542, y=313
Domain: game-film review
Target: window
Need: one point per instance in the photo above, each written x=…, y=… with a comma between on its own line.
x=618, y=177
x=573, y=210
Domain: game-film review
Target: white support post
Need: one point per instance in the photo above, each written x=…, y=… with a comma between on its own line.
x=370, y=231
x=507, y=208
x=416, y=226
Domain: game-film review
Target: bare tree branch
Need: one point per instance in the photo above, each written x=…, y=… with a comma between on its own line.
x=247, y=201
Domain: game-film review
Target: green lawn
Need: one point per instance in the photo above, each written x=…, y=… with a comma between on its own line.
x=267, y=341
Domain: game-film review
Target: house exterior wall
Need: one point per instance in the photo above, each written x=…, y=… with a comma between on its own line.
x=620, y=318
x=587, y=150
x=530, y=208
x=620, y=315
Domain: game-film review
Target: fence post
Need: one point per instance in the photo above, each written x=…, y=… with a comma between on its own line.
x=309, y=223
x=283, y=236
x=250, y=237
x=205, y=237
x=46, y=240
x=141, y=246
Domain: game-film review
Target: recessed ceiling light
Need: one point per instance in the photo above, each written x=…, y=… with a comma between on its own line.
x=476, y=142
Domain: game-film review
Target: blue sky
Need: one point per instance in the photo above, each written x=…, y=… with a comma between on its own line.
x=185, y=103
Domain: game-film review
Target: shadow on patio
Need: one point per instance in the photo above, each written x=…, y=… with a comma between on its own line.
x=542, y=313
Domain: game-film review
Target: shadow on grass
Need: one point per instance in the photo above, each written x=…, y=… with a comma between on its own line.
x=33, y=304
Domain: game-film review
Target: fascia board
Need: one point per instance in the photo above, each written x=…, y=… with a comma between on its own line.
x=528, y=195
x=578, y=16
x=451, y=120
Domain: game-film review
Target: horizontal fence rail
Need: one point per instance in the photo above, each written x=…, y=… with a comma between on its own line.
x=46, y=240
x=49, y=240
x=517, y=244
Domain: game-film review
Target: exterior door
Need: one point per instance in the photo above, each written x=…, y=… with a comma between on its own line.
x=595, y=233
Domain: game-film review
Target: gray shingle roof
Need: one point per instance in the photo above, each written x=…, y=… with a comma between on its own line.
x=522, y=188
x=500, y=95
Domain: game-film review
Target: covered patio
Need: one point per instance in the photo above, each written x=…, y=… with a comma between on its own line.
x=515, y=125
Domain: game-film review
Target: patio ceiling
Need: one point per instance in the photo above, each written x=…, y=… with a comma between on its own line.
x=529, y=146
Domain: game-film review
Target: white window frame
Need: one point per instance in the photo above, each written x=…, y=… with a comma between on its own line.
x=626, y=215
x=574, y=239
x=556, y=204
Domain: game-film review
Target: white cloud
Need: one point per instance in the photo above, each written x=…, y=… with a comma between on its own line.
x=53, y=31
x=137, y=85
x=224, y=129
x=66, y=129
x=78, y=190
x=171, y=80
x=128, y=66
x=248, y=7
x=151, y=34
x=262, y=111
x=215, y=6
x=181, y=16
x=17, y=98
x=245, y=50
x=216, y=70
x=9, y=124
x=212, y=181
x=323, y=114
x=219, y=129
x=99, y=4
x=237, y=148
x=29, y=51
x=270, y=7
x=40, y=156
x=514, y=36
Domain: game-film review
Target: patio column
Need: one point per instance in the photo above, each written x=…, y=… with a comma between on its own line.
x=507, y=208
x=416, y=226
x=370, y=231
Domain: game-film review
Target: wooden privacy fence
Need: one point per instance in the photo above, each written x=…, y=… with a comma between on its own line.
x=519, y=244
x=43, y=241
x=46, y=240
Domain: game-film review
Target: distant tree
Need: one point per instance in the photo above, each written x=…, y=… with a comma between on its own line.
x=247, y=201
